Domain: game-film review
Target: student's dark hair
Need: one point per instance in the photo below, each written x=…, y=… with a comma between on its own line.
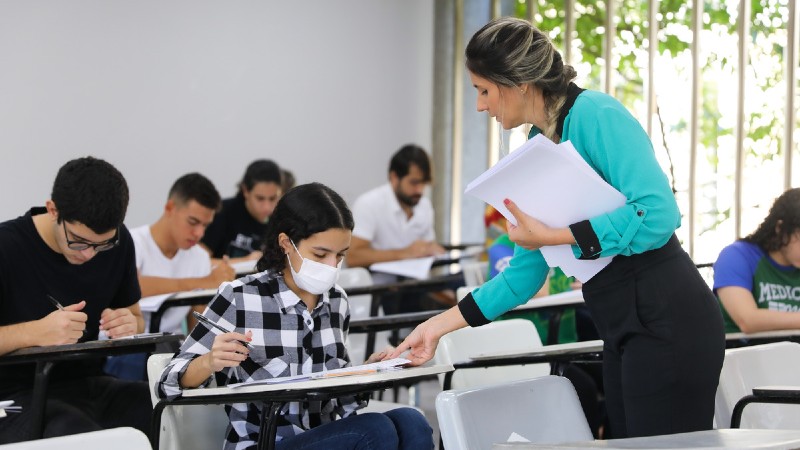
x=512, y=52
x=194, y=186
x=772, y=235
x=303, y=211
x=260, y=171
x=287, y=180
x=92, y=192
x=407, y=156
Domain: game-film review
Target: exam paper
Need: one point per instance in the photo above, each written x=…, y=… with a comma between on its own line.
x=555, y=185
x=390, y=364
x=418, y=268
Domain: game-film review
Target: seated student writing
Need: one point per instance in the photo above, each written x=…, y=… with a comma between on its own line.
x=169, y=260
x=756, y=278
x=238, y=228
x=77, y=250
x=296, y=319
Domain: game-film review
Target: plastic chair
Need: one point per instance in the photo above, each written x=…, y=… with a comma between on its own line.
x=123, y=438
x=508, y=335
x=746, y=368
x=474, y=272
x=545, y=410
x=359, y=309
x=189, y=427
x=463, y=291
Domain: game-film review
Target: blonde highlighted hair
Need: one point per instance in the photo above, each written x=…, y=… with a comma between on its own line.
x=512, y=52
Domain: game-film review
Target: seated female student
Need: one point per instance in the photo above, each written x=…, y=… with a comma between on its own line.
x=296, y=319
x=757, y=278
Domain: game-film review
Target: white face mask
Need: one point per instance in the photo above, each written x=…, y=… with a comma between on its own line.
x=314, y=277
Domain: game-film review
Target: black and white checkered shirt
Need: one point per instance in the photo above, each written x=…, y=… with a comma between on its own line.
x=287, y=340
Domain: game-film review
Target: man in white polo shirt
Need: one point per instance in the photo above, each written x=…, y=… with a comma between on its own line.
x=169, y=260
x=395, y=221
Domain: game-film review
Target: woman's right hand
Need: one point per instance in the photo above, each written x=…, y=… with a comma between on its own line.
x=228, y=350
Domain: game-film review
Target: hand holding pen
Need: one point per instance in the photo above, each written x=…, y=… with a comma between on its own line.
x=229, y=349
x=66, y=325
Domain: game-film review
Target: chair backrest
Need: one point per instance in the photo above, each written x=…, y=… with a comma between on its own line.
x=515, y=335
x=191, y=427
x=758, y=365
x=474, y=271
x=360, y=309
x=462, y=291
x=545, y=410
x=123, y=438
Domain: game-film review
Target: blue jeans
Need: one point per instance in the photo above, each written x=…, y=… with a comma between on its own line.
x=401, y=428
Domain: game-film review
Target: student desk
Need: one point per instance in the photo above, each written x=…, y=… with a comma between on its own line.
x=46, y=357
x=556, y=355
x=709, y=439
x=196, y=297
x=734, y=340
x=274, y=396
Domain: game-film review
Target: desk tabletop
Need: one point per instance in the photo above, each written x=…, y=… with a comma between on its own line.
x=83, y=350
x=572, y=348
x=777, y=334
x=710, y=439
x=406, y=285
x=563, y=299
x=390, y=322
x=362, y=383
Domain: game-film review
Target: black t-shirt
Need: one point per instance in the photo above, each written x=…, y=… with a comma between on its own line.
x=234, y=232
x=29, y=270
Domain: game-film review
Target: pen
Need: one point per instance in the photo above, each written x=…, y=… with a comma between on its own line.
x=55, y=302
x=58, y=305
x=208, y=322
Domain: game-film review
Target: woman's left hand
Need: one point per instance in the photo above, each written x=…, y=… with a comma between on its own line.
x=528, y=233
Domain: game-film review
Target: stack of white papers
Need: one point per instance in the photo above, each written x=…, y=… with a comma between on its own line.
x=380, y=366
x=418, y=268
x=556, y=186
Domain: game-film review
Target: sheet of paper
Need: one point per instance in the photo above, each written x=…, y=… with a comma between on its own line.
x=152, y=303
x=244, y=266
x=554, y=184
x=418, y=268
x=391, y=364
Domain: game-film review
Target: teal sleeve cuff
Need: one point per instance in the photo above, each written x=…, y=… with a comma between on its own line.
x=512, y=287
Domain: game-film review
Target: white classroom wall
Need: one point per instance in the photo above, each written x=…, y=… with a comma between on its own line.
x=328, y=89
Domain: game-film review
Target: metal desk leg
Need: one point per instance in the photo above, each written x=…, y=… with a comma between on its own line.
x=269, y=425
x=39, y=397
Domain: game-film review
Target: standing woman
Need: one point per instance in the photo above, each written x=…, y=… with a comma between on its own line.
x=664, y=341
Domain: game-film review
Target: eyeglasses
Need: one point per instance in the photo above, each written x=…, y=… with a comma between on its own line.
x=98, y=247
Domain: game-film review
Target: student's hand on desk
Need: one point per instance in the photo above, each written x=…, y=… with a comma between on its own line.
x=528, y=233
x=221, y=273
x=118, y=322
x=228, y=350
x=63, y=327
x=421, y=249
x=254, y=256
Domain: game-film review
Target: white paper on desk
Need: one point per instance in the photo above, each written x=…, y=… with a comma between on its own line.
x=152, y=303
x=418, y=268
x=390, y=364
x=516, y=438
x=555, y=185
x=248, y=266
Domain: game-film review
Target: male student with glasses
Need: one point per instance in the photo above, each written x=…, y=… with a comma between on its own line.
x=67, y=272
